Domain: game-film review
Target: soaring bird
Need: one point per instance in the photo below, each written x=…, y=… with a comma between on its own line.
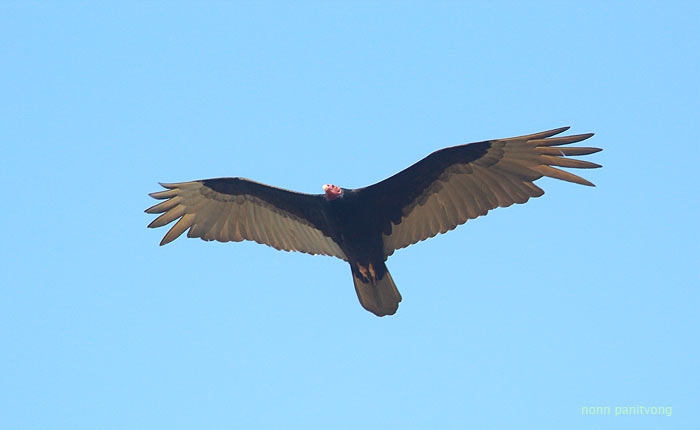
x=364, y=226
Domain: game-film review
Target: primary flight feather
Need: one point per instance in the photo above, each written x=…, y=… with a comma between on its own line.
x=365, y=226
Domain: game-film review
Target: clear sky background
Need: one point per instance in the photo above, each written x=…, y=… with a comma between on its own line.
x=584, y=297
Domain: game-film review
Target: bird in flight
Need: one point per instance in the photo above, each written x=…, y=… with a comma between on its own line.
x=364, y=226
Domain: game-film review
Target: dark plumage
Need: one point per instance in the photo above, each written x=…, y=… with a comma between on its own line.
x=366, y=225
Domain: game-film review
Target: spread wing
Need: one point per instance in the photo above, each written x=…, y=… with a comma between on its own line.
x=237, y=209
x=453, y=185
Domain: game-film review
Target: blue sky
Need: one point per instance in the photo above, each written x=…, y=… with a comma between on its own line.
x=584, y=297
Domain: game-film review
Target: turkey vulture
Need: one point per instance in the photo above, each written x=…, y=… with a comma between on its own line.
x=364, y=226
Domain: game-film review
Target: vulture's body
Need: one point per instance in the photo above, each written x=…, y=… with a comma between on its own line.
x=364, y=226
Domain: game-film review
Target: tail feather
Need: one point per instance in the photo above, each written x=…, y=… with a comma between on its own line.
x=379, y=296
